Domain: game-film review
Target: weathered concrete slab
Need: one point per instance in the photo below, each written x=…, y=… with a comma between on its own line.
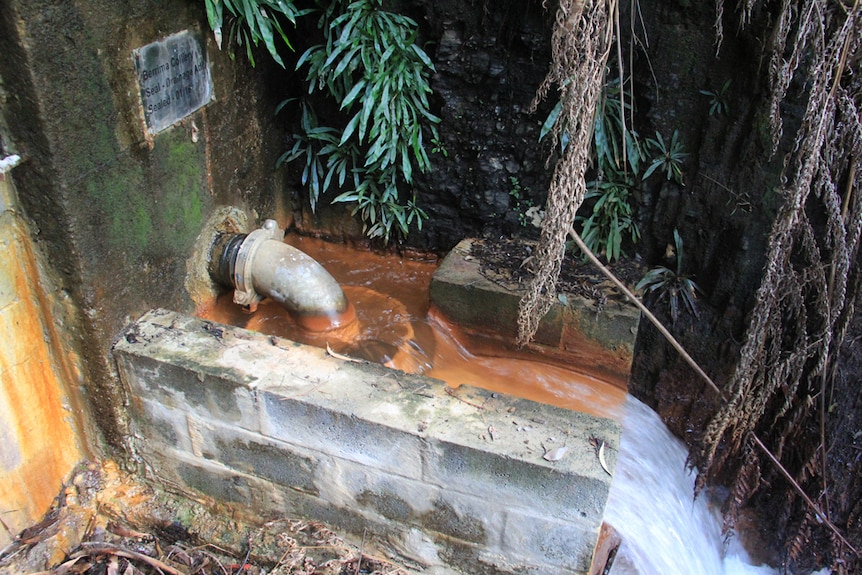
x=447, y=479
x=573, y=333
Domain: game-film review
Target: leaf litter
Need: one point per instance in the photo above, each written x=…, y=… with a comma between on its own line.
x=106, y=523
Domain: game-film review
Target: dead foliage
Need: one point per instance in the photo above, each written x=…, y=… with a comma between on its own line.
x=782, y=397
x=123, y=552
x=89, y=532
x=307, y=548
x=509, y=263
x=783, y=388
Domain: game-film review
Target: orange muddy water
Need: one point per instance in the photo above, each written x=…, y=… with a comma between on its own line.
x=394, y=326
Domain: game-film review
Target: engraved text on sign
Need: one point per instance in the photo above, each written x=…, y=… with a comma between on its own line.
x=174, y=79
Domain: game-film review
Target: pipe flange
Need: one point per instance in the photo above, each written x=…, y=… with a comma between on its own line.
x=244, y=292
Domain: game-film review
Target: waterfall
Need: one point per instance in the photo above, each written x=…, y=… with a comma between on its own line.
x=664, y=529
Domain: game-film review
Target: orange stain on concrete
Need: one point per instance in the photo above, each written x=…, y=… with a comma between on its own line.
x=40, y=428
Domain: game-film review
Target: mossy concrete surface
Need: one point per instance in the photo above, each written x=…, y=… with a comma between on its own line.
x=116, y=209
x=456, y=481
x=572, y=333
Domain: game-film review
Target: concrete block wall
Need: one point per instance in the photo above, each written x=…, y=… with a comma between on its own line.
x=452, y=481
x=573, y=333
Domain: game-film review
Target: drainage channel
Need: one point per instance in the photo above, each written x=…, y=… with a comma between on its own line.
x=396, y=326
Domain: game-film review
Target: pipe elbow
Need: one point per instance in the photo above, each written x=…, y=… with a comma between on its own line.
x=297, y=282
x=261, y=265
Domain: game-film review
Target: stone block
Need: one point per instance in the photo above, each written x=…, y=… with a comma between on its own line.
x=156, y=360
x=509, y=463
x=277, y=462
x=159, y=425
x=456, y=479
x=568, y=546
x=470, y=300
x=371, y=441
x=573, y=331
x=376, y=492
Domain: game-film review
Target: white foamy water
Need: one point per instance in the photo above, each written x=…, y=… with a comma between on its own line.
x=665, y=531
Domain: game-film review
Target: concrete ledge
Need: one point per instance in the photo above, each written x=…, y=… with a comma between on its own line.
x=447, y=479
x=571, y=333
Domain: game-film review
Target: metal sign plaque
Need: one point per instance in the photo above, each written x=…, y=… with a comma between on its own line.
x=174, y=79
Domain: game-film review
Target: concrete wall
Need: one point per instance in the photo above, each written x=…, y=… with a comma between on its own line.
x=115, y=210
x=450, y=481
x=42, y=420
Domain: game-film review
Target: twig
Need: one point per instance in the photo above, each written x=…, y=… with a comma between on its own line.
x=653, y=319
x=616, y=17
x=8, y=531
x=451, y=392
x=90, y=548
x=340, y=356
x=245, y=560
x=361, y=551
x=820, y=515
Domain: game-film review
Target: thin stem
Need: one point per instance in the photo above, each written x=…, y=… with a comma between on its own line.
x=622, y=84
x=653, y=319
x=820, y=515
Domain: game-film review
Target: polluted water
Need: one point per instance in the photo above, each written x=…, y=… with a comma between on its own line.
x=664, y=529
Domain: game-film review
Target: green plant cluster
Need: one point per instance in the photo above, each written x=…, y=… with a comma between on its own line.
x=664, y=284
x=666, y=156
x=371, y=65
x=718, y=103
x=618, y=154
x=523, y=204
x=623, y=162
x=252, y=22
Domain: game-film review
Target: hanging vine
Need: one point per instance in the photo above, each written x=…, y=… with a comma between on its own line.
x=780, y=396
x=580, y=44
x=781, y=387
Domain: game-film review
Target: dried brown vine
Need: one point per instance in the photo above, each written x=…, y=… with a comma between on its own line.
x=781, y=386
x=780, y=396
x=580, y=44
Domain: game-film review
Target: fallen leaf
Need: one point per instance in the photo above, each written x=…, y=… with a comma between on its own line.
x=602, y=461
x=555, y=455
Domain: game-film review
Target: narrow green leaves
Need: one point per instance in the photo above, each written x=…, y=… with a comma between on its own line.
x=252, y=22
x=370, y=64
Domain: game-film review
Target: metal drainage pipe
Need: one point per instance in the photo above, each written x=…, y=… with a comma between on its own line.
x=260, y=264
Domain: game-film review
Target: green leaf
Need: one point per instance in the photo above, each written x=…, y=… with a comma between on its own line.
x=423, y=56
x=353, y=93
x=406, y=166
x=348, y=131
x=551, y=120
x=346, y=61
x=346, y=197
x=656, y=164
x=214, y=13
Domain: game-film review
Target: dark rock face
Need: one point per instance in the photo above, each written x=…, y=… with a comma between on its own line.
x=489, y=62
